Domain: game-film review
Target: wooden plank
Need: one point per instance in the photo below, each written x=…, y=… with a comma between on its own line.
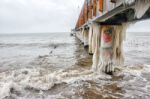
x=101, y=2
x=94, y=7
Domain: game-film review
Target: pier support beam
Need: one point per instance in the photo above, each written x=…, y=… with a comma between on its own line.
x=82, y=35
x=96, y=55
x=79, y=35
x=85, y=37
x=108, y=47
x=90, y=38
x=105, y=44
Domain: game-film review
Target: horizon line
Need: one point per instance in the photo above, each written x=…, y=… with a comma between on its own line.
x=32, y=32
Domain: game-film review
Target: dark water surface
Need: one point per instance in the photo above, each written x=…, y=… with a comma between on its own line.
x=56, y=66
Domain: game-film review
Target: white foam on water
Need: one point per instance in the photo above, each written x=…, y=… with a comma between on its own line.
x=19, y=80
x=59, y=96
x=134, y=83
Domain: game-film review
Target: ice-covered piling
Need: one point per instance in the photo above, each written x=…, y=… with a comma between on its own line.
x=90, y=38
x=85, y=37
x=110, y=48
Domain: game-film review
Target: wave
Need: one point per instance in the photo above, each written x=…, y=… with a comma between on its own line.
x=39, y=79
x=2, y=45
x=22, y=80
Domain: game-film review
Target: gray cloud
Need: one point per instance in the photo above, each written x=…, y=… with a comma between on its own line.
x=38, y=15
x=21, y=16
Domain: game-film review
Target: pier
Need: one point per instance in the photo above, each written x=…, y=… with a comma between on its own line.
x=102, y=25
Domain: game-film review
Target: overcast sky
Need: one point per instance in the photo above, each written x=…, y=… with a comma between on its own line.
x=32, y=16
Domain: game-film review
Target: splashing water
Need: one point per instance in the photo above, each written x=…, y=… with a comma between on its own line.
x=67, y=75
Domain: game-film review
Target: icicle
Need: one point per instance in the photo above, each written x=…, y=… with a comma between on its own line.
x=78, y=35
x=85, y=37
x=82, y=35
x=90, y=38
x=118, y=57
x=93, y=39
x=96, y=30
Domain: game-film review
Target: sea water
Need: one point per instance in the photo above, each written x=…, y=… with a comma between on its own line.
x=56, y=66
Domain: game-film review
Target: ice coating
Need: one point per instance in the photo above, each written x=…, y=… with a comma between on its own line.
x=108, y=46
x=85, y=37
x=128, y=2
x=140, y=7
